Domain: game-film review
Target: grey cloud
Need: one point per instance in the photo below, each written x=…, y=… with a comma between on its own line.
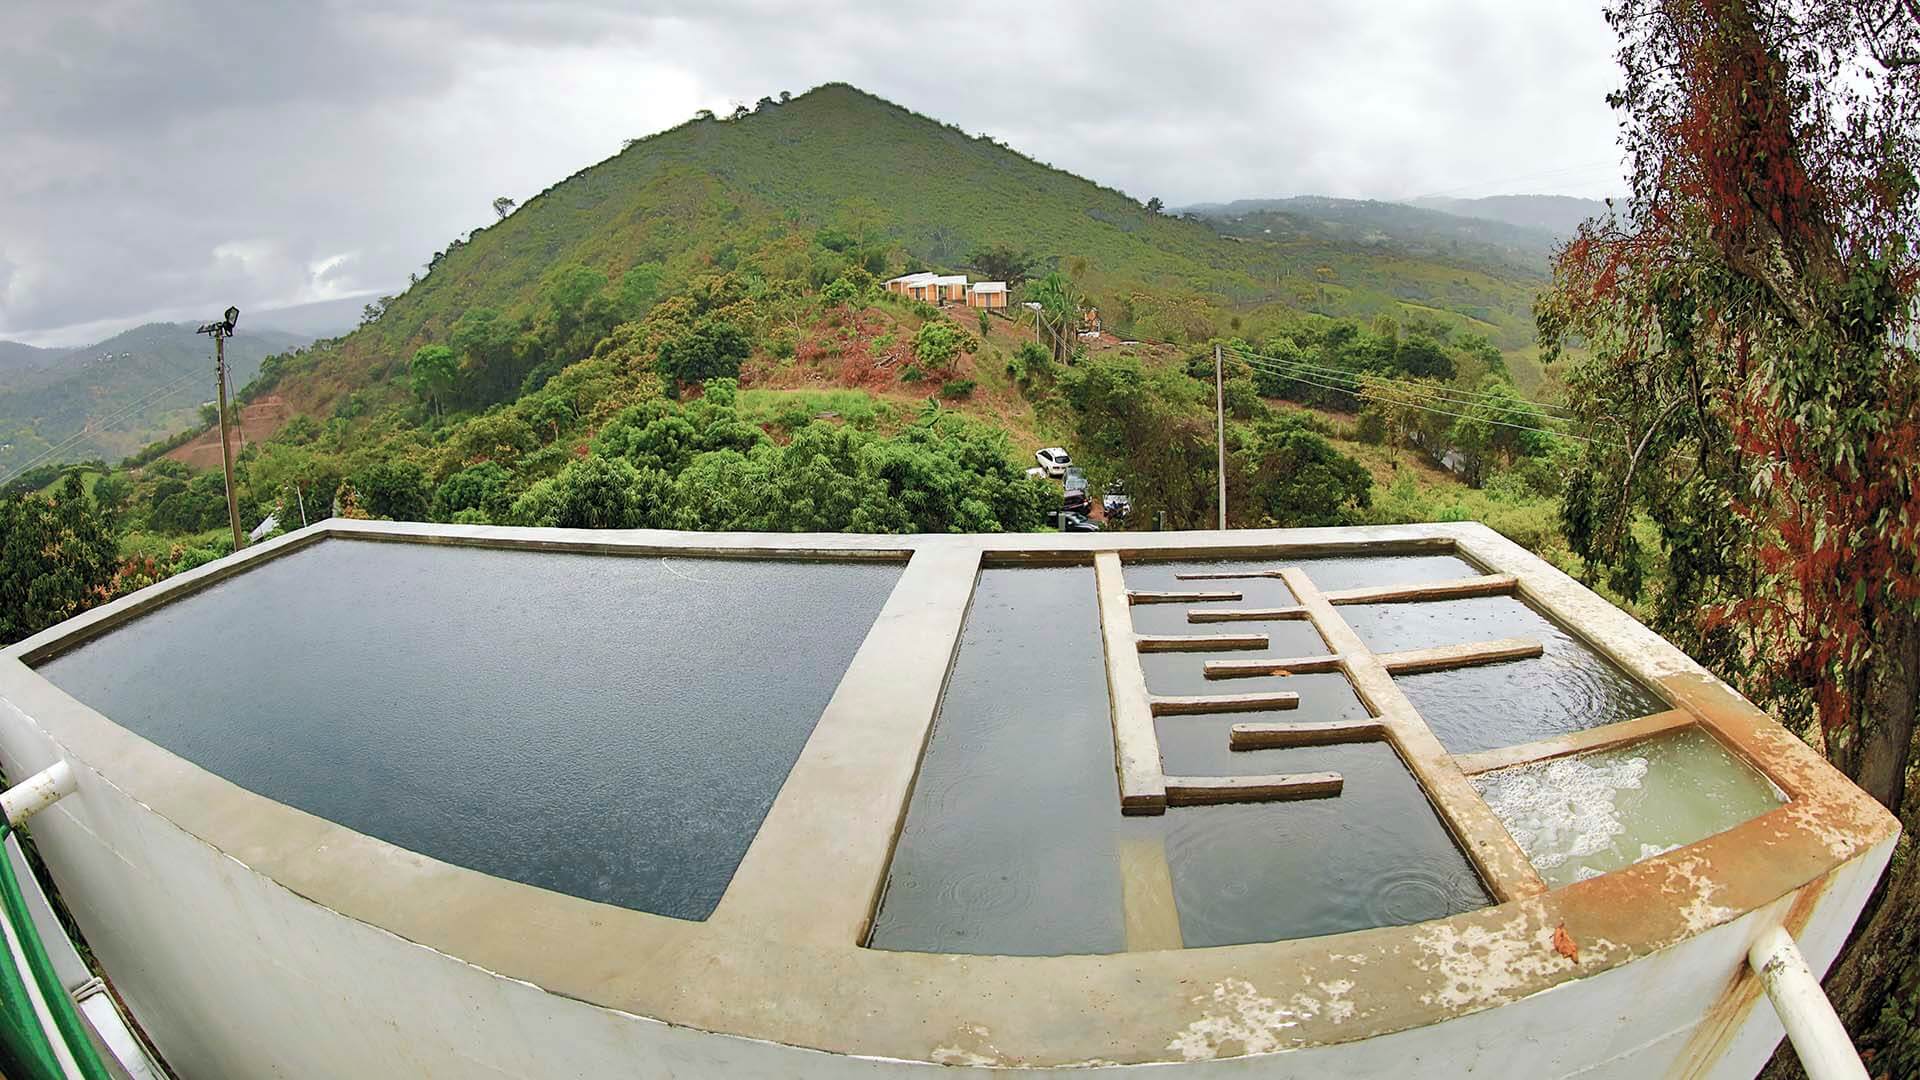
x=169, y=156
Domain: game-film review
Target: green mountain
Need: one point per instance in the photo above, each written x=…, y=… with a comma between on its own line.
x=859, y=174
x=112, y=398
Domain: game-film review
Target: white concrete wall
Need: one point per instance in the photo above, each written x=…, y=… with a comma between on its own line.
x=234, y=976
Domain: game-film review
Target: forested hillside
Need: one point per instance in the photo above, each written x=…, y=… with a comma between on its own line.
x=117, y=395
x=863, y=176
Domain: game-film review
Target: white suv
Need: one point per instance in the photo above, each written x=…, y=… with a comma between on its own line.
x=1053, y=460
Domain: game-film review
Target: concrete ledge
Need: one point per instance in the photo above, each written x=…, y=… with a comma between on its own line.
x=1198, y=642
x=1459, y=588
x=1579, y=742
x=1271, y=614
x=1199, y=704
x=1471, y=654
x=1293, y=665
x=1136, y=747
x=1209, y=790
x=1149, y=597
x=1270, y=736
x=1504, y=867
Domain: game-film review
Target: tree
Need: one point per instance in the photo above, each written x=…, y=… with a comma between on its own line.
x=1058, y=319
x=1292, y=475
x=396, y=490
x=434, y=373
x=639, y=288
x=1000, y=262
x=713, y=350
x=57, y=558
x=938, y=344
x=1751, y=317
x=487, y=344
x=503, y=206
x=591, y=493
x=1153, y=428
x=483, y=488
x=1155, y=206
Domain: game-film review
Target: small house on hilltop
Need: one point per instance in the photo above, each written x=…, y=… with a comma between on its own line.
x=950, y=288
x=916, y=286
x=943, y=289
x=989, y=295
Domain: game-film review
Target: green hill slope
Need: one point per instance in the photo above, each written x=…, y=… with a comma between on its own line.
x=123, y=392
x=716, y=194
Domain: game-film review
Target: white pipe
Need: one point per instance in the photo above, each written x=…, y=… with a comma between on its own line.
x=1818, y=1037
x=36, y=792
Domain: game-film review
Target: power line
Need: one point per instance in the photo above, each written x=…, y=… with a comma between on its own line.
x=1454, y=394
x=1354, y=387
x=1441, y=412
x=107, y=421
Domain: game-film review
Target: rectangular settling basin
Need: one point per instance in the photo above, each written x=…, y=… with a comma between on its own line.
x=545, y=717
x=1014, y=842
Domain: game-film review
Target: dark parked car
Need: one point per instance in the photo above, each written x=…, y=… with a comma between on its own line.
x=1069, y=521
x=1076, y=500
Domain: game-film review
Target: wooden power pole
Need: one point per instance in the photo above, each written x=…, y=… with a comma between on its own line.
x=1220, y=434
x=221, y=331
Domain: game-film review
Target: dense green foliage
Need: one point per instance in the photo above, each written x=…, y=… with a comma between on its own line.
x=58, y=556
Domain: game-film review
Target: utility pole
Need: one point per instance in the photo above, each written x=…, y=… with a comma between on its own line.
x=1220, y=434
x=220, y=332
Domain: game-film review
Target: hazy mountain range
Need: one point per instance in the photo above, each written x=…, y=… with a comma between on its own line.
x=113, y=397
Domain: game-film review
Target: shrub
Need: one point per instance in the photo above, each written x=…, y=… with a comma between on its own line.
x=957, y=389
x=938, y=343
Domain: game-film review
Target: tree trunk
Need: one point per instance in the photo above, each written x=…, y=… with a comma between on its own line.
x=1877, y=756
x=1875, y=985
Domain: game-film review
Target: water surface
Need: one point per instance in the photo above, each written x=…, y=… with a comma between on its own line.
x=606, y=726
x=1581, y=816
x=1011, y=839
x=1569, y=688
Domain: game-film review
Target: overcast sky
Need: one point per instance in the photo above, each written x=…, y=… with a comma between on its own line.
x=165, y=159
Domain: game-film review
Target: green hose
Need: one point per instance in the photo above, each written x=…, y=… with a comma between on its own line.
x=27, y=1052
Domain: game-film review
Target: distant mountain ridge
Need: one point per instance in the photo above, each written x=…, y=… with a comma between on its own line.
x=124, y=392
x=1558, y=215
x=1419, y=231
x=17, y=359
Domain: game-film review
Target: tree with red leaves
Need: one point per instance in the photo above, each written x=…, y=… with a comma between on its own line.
x=1747, y=331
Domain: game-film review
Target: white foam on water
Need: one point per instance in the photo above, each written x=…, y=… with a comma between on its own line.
x=1564, y=809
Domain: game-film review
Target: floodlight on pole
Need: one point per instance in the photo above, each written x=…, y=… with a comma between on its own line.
x=220, y=332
